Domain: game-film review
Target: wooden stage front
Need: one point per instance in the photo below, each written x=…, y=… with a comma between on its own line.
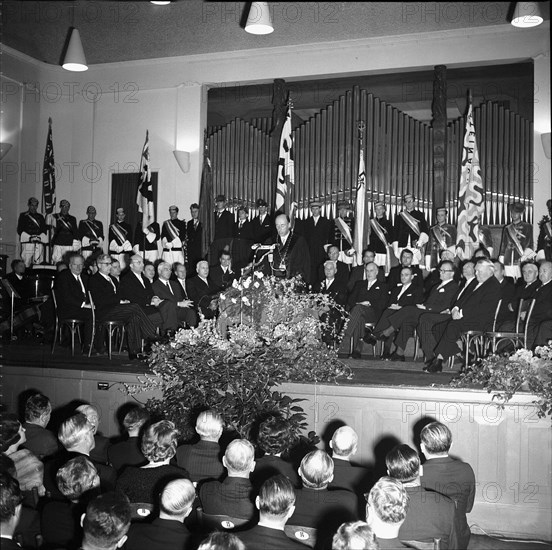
x=510, y=449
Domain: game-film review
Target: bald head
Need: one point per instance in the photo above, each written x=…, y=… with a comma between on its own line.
x=344, y=442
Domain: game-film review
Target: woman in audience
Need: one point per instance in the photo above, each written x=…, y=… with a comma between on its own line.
x=222, y=541
x=144, y=484
x=354, y=535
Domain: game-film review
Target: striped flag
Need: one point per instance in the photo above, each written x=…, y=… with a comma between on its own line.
x=144, y=197
x=286, y=172
x=206, y=201
x=49, y=175
x=360, y=207
x=471, y=194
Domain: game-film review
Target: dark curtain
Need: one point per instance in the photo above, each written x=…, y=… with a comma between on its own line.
x=124, y=188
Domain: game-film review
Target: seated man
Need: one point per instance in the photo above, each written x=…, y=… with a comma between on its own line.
x=342, y=269
x=128, y=452
x=10, y=510
x=507, y=291
x=168, y=530
x=203, y=291
x=525, y=291
x=101, y=443
x=430, y=515
x=40, y=441
x=106, y=522
x=540, y=324
x=354, y=534
x=366, y=304
x=394, y=277
x=448, y=476
x=386, y=507
x=234, y=496
x=315, y=505
x=276, y=504
x=357, y=272
x=202, y=460
x=222, y=275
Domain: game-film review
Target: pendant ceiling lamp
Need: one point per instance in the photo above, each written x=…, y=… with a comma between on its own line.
x=527, y=14
x=259, y=20
x=74, y=59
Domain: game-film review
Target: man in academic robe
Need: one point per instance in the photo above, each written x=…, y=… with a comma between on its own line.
x=223, y=275
x=381, y=237
x=544, y=241
x=173, y=238
x=516, y=245
x=411, y=230
x=66, y=233
x=146, y=241
x=442, y=236
x=317, y=231
x=91, y=234
x=32, y=230
x=262, y=224
x=194, y=236
x=343, y=233
x=224, y=227
x=120, y=236
x=203, y=292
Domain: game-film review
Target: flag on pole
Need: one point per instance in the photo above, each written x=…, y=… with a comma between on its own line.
x=470, y=194
x=206, y=200
x=360, y=207
x=286, y=171
x=144, y=197
x=49, y=176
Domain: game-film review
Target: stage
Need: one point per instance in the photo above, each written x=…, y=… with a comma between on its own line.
x=385, y=402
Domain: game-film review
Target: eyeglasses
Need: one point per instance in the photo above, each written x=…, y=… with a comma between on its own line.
x=105, y=263
x=446, y=270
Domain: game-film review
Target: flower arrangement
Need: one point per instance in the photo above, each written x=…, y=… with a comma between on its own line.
x=505, y=375
x=269, y=332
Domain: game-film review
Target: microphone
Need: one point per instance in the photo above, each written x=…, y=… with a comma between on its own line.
x=263, y=246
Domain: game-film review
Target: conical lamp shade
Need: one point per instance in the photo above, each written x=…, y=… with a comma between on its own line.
x=258, y=20
x=527, y=14
x=74, y=57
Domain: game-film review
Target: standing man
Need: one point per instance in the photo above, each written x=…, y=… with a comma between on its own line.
x=442, y=236
x=91, y=234
x=516, y=245
x=343, y=232
x=544, y=242
x=411, y=230
x=66, y=233
x=316, y=230
x=262, y=224
x=146, y=241
x=242, y=240
x=31, y=228
x=194, y=233
x=173, y=238
x=224, y=226
x=120, y=234
x=380, y=237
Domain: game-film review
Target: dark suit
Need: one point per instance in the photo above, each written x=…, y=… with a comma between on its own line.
x=357, y=274
x=507, y=291
x=126, y=453
x=375, y=243
x=542, y=314
x=173, y=313
x=223, y=226
x=411, y=296
x=265, y=538
x=455, y=479
x=60, y=523
x=342, y=273
x=202, y=460
x=317, y=236
x=160, y=534
x=332, y=321
x=221, y=279
x=262, y=231
x=40, y=441
x=141, y=293
x=107, y=474
x=10, y=544
x=241, y=244
x=194, y=250
x=402, y=230
x=270, y=465
x=352, y=478
x=93, y=231
x=201, y=293
x=233, y=497
x=394, y=277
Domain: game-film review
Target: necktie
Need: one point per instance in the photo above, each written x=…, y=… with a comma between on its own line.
x=195, y=224
x=81, y=284
x=169, y=287
x=183, y=285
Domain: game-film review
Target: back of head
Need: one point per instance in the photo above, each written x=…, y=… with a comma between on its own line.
x=209, y=425
x=403, y=463
x=388, y=499
x=177, y=497
x=276, y=496
x=437, y=438
x=222, y=541
x=73, y=430
x=9, y=431
x=316, y=469
x=354, y=535
x=7, y=465
x=76, y=477
x=135, y=418
x=10, y=497
x=35, y=406
x=239, y=456
x=159, y=441
x=344, y=441
x=107, y=520
x=275, y=435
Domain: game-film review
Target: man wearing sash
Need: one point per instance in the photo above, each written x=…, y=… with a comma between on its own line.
x=31, y=228
x=411, y=230
x=485, y=241
x=544, y=242
x=66, y=233
x=120, y=234
x=516, y=245
x=173, y=238
x=442, y=236
x=91, y=234
x=343, y=232
x=148, y=238
x=380, y=237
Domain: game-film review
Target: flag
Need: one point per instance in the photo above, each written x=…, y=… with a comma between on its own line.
x=470, y=194
x=144, y=197
x=286, y=172
x=49, y=175
x=206, y=201
x=358, y=242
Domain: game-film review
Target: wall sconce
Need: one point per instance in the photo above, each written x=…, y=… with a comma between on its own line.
x=527, y=14
x=545, y=138
x=259, y=20
x=183, y=159
x=5, y=147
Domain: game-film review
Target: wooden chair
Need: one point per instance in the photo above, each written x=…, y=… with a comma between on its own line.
x=114, y=328
x=304, y=535
x=420, y=545
x=73, y=325
x=211, y=522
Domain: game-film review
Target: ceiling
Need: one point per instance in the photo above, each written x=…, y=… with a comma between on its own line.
x=122, y=31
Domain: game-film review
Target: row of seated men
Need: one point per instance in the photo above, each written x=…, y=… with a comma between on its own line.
x=181, y=486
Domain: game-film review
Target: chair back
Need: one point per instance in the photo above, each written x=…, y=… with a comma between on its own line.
x=54, y=299
x=304, y=535
x=219, y=521
x=93, y=307
x=140, y=511
x=497, y=311
x=527, y=319
x=420, y=545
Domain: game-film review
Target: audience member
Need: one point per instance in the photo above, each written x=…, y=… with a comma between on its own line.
x=222, y=541
x=430, y=515
x=507, y=291
x=40, y=441
x=10, y=510
x=202, y=291
x=167, y=531
x=539, y=330
x=407, y=258
x=342, y=270
x=448, y=476
x=202, y=460
x=234, y=496
x=128, y=452
x=354, y=535
x=143, y=484
x=101, y=443
x=222, y=274
x=276, y=504
x=358, y=273
x=386, y=508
